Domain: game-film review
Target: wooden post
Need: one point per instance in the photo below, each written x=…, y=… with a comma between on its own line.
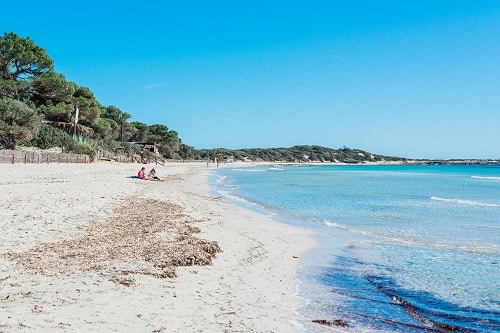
x=13, y=158
x=25, y=158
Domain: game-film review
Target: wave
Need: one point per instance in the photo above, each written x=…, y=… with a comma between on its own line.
x=394, y=218
x=258, y=170
x=238, y=199
x=376, y=236
x=384, y=238
x=248, y=170
x=221, y=179
x=486, y=177
x=466, y=202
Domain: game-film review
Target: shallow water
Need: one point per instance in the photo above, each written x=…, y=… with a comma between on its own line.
x=421, y=243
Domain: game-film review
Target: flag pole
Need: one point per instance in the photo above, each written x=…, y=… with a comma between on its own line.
x=77, y=112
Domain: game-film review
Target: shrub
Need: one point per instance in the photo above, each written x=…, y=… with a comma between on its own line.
x=82, y=148
x=49, y=137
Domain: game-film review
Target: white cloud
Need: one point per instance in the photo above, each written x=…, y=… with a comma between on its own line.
x=153, y=85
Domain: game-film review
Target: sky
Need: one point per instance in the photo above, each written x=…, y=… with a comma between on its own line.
x=415, y=79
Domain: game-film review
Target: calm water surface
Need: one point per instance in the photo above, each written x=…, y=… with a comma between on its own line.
x=419, y=245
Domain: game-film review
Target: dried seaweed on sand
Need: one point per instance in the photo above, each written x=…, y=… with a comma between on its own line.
x=147, y=239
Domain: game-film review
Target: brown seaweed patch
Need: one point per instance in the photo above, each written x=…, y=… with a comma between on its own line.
x=336, y=322
x=134, y=236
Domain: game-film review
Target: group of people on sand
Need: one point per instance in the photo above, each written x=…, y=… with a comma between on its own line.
x=150, y=176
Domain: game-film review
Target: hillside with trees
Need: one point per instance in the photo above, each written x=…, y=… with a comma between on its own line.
x=40, y=108
x=297, y=154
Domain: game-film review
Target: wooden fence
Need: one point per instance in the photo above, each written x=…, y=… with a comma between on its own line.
x=123, y=158
x=15, y=156
x=132, y=158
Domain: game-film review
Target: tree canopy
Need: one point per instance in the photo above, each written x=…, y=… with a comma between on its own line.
x=17, y=122
x=32, y=93
x=20, y=60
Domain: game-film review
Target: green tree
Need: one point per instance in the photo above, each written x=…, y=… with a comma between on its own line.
x=120, y=117
x=157, y=133
x=20, y=60
x=169, y=140
x=49, y=137
x=104, y=128
x=17, y=122
x=122, y=120
x=51, y=89
x=61, y=112
x=111, y=112
x=140, y=131
x=187, y=152
x=90, y=108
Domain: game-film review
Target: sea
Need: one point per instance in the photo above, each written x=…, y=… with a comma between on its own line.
x=404, y=248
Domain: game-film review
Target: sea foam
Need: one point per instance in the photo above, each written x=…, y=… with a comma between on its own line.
x=465, y=202
x=486, y=177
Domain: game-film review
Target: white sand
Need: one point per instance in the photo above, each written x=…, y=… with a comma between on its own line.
x=249, y=287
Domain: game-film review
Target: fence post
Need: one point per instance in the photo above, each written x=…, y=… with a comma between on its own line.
x=13, y=158
x=25, y=158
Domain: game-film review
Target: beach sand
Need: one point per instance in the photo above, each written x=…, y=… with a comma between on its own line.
x=84, y=248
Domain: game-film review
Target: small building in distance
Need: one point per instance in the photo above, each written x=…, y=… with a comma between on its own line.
x=149, y=151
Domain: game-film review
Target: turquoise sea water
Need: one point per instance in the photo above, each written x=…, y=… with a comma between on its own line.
x=420, y=245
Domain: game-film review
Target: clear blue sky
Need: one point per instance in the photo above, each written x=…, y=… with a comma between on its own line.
x=417, y=79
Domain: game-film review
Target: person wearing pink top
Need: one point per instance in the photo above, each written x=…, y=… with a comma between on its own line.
x=142, y=174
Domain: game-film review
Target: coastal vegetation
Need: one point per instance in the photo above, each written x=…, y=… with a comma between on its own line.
x=40, y=108
x=297, y=154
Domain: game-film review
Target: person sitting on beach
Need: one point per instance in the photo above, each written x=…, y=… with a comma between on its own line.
x=142, y=174
x=152, y=175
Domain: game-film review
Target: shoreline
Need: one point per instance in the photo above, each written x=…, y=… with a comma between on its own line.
x=250, y=286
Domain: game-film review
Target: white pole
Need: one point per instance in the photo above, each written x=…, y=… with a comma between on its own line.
x=76, y=122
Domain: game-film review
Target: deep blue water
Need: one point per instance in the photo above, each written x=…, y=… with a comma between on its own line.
x=419, y=245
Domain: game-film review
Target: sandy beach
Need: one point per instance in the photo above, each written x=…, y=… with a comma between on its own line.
x=85, y=248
